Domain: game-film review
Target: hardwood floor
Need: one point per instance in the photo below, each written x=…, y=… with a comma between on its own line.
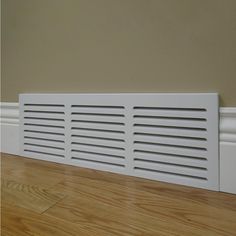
x=42, y=198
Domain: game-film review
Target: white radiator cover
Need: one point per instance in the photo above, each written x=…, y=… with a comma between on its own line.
x=166, y=137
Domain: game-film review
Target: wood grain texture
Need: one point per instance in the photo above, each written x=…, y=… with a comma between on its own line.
x=78, y=201
x=181, y=213
x=27, y=196
x=19, y=221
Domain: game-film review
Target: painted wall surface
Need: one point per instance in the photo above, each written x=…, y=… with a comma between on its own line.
x=119, y=46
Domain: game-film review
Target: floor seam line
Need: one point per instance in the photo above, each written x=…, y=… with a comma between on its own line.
x=53, y=205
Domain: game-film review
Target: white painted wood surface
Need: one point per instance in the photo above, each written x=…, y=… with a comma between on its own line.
x=10, y=128
x=166, y=137
x=228, y=150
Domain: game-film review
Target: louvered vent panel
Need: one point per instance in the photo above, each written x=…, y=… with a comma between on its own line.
x=98, y=136
x=44, y=130
x=171, y=143
x=167, y=137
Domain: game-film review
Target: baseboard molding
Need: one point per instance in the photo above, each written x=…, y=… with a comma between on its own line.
x=10, y=128
x=228, y=150
x=228, y=125
x=10, y=141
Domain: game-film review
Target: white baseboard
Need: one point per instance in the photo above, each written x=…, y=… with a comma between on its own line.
x=10, y=128
x=10, y=141
x=227, y=167
x=228, y=150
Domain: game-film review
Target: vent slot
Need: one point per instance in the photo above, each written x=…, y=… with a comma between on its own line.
x=104, y=150
x=170, y=145
x=171, y=127
x=101, y=138
x=42, y=153
x=44, y=145
x=170, y=136
x=99, y=154
x=99, y=134
x=99, y=130
x=95, y=162
x=170, y=108
x=98, y=106
x=41, y=118
x=42, y=112
x=98, y=122
x=97, y=114
x=44, y=105
x=176, y=118
x=44, y=139
x=44, y=148
x=38, y=133
x=169, y=173
x=171, y=168
x=47, y=127
x=171, y=164
x=170, y=149
x=169, y=154
x=166, y=137
x=101, y=146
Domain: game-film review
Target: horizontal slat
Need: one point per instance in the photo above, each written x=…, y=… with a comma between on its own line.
x=171, y=131
x=98, y=138
x=95, y=141
x=98, y=165
x=97, y=106
x=105, y=150
x=172, y=122
x=44, y=149
x=44, y=108
x=171, y=168
x=95, y=110
x=172, y=108
x=171, y=150
x=53, y=144
x=174, y=159
x=43, y=155
x=97, y=118
x=98, y=157
x=171, y=141
x=172, y=178
x=108, y=115
x=98, y=134
x=44, y=122
x=170, y=113
x=98, y=129
x=44, y=115
x=44, y=136
x=91, y=125
x=52, y=129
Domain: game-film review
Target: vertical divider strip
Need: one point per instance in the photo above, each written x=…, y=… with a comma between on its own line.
x=129, y=139
x=67, y=132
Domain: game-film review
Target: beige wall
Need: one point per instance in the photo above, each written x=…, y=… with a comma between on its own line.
x=119, y=46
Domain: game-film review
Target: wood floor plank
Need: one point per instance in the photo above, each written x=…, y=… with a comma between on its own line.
x=97, y=217
x=57, y=172
x=195, y=195
x=33, y=177
x=17, y=221
x=43, y=198
x=125, y=219
x=31, y=197
x=24, y=170
x=169, y=209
